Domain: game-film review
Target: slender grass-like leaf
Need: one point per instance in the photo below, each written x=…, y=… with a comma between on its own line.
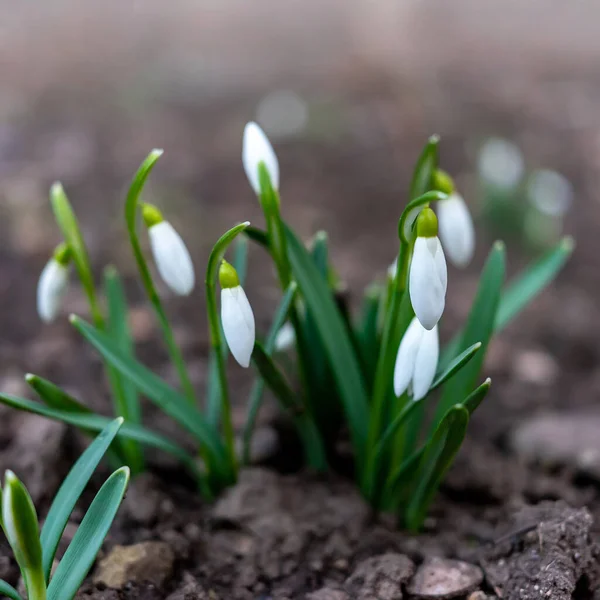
x=334, y=335
x=439, y=455
x=455, y=366
x=126, y=401
x=479, y=328
x=475, y=398
x=88, y=538
x=93, y=423
x=169, y=400
x=366, y=331
x=256, y=394
x=311, y=438
x=426, y=166
x=20, y=524
x=9, y=591
x=70, y=491
x=521, y=291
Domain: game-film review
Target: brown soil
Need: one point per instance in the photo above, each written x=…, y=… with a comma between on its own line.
x=283, y=533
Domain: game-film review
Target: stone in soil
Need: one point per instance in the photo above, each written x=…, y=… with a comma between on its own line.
x=150, y=562
x=380, y=577
x=570, y=440
x=440, y=578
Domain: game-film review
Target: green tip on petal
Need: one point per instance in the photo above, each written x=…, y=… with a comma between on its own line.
x=442, y=182
x=62, y=254
x=151, y=215
x=228, y=277
x=427, y=223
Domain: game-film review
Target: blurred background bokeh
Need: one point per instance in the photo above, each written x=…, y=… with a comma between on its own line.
x=348, y=91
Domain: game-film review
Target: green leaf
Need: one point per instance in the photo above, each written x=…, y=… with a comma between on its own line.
x=426, y=166
x=474, y=399
x=125, y=395
x=479, y=328
x=439, y=455
x=455, y=366
x=20, y=524
x=258, y=236
x=90, y=422
x=54, y=396
x=9, y=591
x=334, y=336
x=366, y=331
x=308, y=432
x=88, y=538
x=522, y=291
x=169, y=400
x=529, y=284
x=70, y=491
x=256, y=394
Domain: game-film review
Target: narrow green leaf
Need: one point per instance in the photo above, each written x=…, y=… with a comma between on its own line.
x=308, y=432
x=426, y=165
x=70, y=491
x=21, y=528
x=530, y=283
x=366, y=331
x=479, y=328
x=9, y=591
x=393, y=428
x=125, y=395
x=521, y=291
x=439, y=455
x=334, y=336
x=90, y=422
x=88, y=538
x=455, y=366
x=256, y=394
x=474, y=399
x=159, y=391
x=258, y=236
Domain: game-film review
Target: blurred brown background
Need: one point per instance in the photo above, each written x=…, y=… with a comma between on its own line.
x=347, y=90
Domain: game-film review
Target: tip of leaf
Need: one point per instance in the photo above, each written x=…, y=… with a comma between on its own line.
x=120, y=420
x=157, y=152
x=499, y=246
x=9, y=477
x=434, y=139
x=567, y=243
x=29, y=377
x=123, y=471
x=320, y=236
x=477, y=345
x=488, y=382
x=73, y=319
x=246, y=223
x=56, y=187
x=110, y=271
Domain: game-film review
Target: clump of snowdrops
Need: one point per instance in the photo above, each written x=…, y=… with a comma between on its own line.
x=35, y=550
x=378, y=376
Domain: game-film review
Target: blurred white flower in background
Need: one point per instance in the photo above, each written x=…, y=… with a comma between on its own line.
x=500, y=163
x=283, y=113
x=550, y=192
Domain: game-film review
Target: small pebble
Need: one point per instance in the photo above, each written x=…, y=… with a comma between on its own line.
x=440, y=578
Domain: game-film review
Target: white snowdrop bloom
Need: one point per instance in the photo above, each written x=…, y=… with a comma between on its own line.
x=171, y=255
x=285, y=338
x=256, y=149
x=428, y=277
x=416, y=361
x=501, y=163
x=51, y=288
x=456, y=229
x=237, y=317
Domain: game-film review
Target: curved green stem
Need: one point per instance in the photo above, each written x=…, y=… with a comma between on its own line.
x=35, y=583
x=131, y=212
x=214, y=327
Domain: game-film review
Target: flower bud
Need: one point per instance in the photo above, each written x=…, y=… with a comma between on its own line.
x=52, y=284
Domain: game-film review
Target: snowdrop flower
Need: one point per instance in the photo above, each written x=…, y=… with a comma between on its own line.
x=416, y=361
x=285, y=338
x=428, y=277
x=52, y=284
x=236, y=315
x=171, y=256
x=256, y=149
x=456, y=229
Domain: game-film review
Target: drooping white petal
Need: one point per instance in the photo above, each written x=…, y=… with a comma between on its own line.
x=257, y=148
x=456, y=230
x=406, y=357
x=51, y=289
x=426, y=362
x=285, y=337
x=172, y=258
x=428, y=281
x=238, y=324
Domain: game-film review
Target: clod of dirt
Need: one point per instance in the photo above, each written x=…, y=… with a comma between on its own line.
x=191, y=589
x=380, y=577
x=567, y=439
x=440, y=578
x=549, y=560
x=150, y=562
x=328, y=594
